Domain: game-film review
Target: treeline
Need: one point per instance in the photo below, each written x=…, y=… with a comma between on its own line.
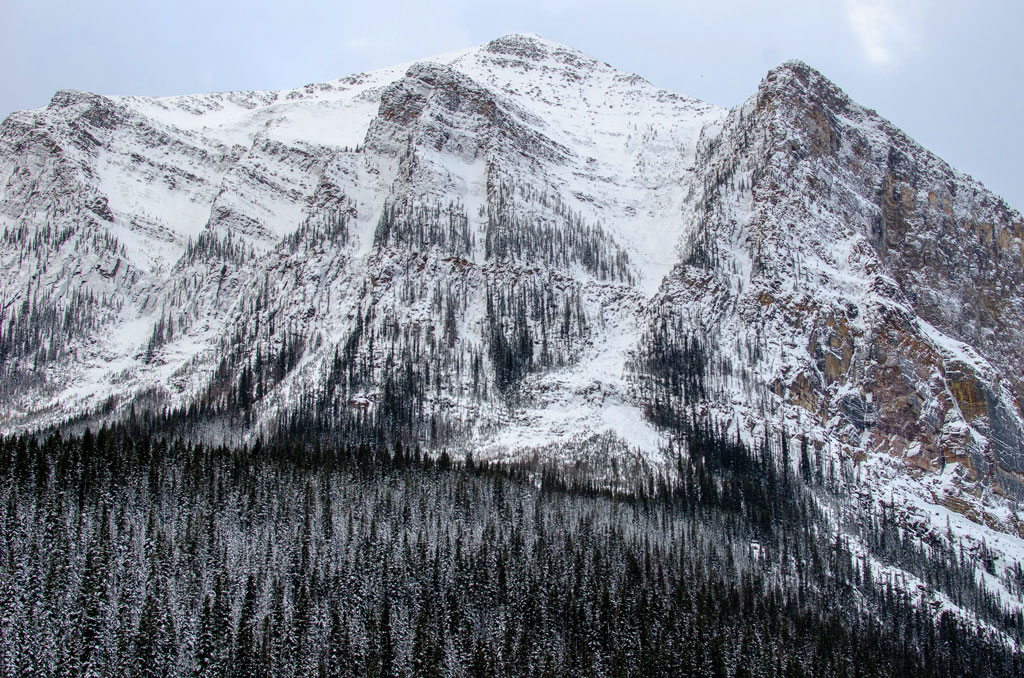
x=415, y=364
x=210, y=247
x=323, y=227
x=550, y=233
x=530, y=328
x=34, y=331
x=421, y=227
x=669, y=370
x=58, y=305
x=123, y=555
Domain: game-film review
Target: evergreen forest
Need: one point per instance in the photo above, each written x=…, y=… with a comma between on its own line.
x=124, y=554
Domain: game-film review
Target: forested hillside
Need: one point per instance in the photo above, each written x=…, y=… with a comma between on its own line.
x=123, y=555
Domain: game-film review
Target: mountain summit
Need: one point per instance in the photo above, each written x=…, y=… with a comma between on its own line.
x=518, y=252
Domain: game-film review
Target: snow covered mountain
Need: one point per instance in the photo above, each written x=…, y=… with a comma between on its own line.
x=520, y=252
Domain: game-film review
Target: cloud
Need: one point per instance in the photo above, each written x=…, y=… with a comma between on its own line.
x=881, y=29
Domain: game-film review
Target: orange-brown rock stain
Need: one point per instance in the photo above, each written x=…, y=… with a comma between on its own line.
x=967, y=393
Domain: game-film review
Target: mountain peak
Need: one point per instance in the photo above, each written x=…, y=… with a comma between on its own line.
x=63, y=98
x=522, y=44
x=797, y=81
x=530, y=47
x=795, y=71
x=796, y=66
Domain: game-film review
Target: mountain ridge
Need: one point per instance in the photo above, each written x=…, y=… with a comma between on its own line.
x=516, y=251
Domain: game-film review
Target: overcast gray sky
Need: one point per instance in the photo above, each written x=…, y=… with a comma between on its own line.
x=947, y=72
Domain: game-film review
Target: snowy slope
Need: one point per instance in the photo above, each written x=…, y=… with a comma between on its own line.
x=252, y=166
x=513, y=251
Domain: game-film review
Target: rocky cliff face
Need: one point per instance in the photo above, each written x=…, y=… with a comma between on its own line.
x=880, y=283
x=518, y=251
